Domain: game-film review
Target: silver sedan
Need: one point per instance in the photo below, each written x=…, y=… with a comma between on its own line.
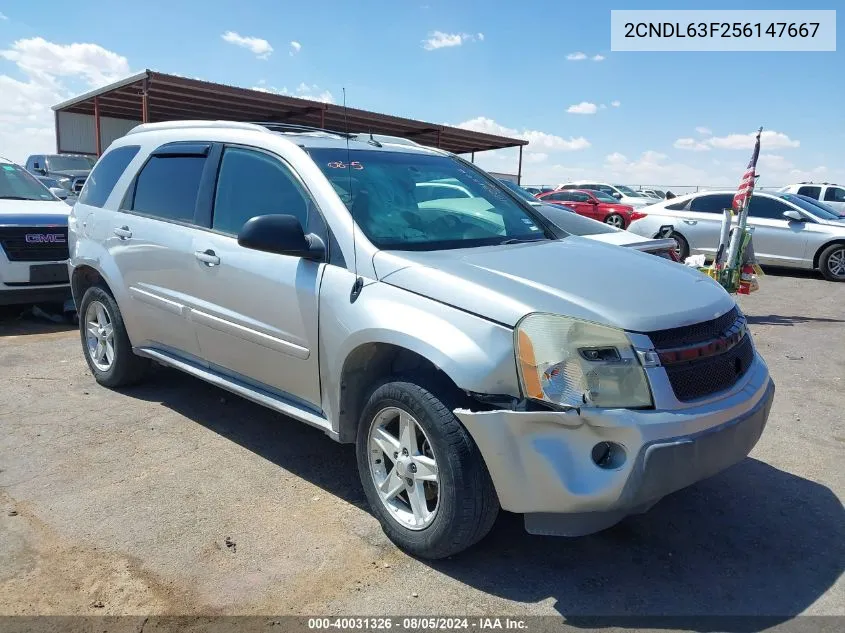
x=787, y=230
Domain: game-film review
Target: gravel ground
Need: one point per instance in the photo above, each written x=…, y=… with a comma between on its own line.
x=177, y=498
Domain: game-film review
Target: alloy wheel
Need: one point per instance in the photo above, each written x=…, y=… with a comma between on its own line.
x=403, y=468
x=615, y=220
x=99, y=336
x=836, y=263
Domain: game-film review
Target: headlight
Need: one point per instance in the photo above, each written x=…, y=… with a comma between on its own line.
x=577, y=363
x=64, y=182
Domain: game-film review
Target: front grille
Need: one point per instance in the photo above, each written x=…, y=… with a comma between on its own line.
x=699, y=378
x=78, y=184
x=698, y=333
x=693, y=359
x=44, y=244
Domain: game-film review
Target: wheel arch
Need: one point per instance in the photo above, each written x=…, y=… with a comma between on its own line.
x=822, y=248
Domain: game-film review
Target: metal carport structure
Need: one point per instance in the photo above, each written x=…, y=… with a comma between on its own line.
x=87, y=124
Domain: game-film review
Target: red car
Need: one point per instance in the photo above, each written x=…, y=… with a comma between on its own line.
x=594, y=204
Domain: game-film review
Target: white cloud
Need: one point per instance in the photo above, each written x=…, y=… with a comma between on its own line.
x=314, y=93
x=603, y=107
x=439, y=39
x=576, y=57
x=652, y=168
x=585, y=107
x=536, y=157
x=44, y=60
x=691, y=144
x=295, y=47
x=769, y=139
x=262, y=86
x=598, y=58
x=259, y=47
x=616, y=103
x=704, y=131
x=3, y=17
x=541, y=140
x=26, y=117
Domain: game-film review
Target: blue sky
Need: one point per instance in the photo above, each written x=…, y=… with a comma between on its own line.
x=646, y=118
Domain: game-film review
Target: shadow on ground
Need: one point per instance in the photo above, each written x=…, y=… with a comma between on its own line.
x=753, y=540
x=777, y=319
x=22, y=320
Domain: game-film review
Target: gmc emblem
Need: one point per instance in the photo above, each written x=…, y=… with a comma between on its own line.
x=45, y=238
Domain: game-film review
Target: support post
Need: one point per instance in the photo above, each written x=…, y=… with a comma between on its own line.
x=323, y=118
x=472, y=158
x=438, y=139
x=145, y=106
x=58, y=135
x=97, y=133
x=519, y=172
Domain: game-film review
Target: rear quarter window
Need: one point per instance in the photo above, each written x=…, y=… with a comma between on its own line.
x=109, y=169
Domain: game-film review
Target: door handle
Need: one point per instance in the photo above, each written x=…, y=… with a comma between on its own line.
x=207, y=257
x=123, y=232
x=690, y=222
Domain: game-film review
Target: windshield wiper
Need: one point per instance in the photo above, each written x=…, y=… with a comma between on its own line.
x=520, y=240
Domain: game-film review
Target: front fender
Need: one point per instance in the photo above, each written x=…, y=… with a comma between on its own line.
x=475, y=353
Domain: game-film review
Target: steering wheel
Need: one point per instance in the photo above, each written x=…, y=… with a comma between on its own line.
x=449, y=223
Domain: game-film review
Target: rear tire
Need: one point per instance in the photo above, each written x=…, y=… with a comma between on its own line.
x=832, y=262
x=682, y=248
x=456, y=504
x=105, y=342
x=616, y=220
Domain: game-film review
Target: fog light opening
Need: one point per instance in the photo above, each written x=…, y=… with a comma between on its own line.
x=608, y=455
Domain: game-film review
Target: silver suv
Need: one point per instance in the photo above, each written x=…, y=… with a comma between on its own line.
x=476, y=356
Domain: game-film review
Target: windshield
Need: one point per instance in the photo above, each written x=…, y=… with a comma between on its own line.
x=49, y=182
x=627, y=191
x=601, y=196
x=16, y=183
x=812, y=207
x=68, y=163
x=522, y=193
x=380, y=190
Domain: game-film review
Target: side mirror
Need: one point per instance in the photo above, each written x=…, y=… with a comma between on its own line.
x=280, y=234
x=60, y=193
x=794, y=216
x=617, y=195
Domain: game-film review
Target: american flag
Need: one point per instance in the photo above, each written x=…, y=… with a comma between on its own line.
x=746, y=185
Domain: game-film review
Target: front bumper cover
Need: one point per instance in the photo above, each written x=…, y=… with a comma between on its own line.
x=541, y=463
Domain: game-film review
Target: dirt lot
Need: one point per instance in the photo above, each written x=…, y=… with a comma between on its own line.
x=178, y=498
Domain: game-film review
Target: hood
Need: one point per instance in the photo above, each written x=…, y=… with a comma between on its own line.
x=575, y=277
x=619, y=207
x=619, y=238
x=70, y=173
x=638, y=202
x=31, y=212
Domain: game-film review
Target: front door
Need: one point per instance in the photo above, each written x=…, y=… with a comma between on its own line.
x=255, y=313
x=776, y=240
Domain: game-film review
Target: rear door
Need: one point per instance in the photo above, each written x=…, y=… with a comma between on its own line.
x=701, y=222
x=834, y=196
x=255, y=313
x=151, y=242
x=776, y=240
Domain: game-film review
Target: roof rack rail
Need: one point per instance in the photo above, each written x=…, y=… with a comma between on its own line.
x=276, y=126
x=191, y=123
x=387, y=138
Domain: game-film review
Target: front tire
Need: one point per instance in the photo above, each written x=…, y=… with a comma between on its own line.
x=832, y=262
x=682, y=246
x=105, y=342
x=423, y=475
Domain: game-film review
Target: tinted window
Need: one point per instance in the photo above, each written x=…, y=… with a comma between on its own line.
x=715, y=203
x=167, y=187
x=678, y=206
x=813, y=192
x=577, y=196
x=108, y=171
x=569, y=187
x=253, y=183
x=559, y=197
x=834, y=194
x=769, y=208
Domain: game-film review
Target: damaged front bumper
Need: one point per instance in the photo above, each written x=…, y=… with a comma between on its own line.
x=542, y=462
